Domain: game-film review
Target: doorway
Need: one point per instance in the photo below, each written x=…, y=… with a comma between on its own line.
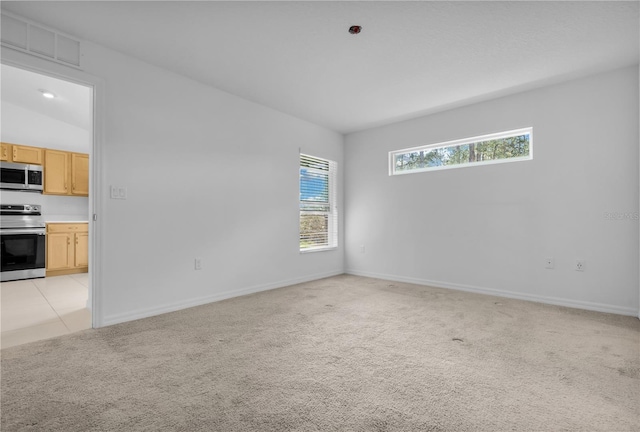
x=55, y=118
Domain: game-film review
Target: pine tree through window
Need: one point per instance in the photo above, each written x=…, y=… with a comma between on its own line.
x=501, y=147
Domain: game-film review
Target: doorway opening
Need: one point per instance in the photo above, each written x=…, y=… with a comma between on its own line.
x=50, y=120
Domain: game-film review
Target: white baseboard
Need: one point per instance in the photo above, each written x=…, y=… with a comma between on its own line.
x=172, y=307
x=577, y=304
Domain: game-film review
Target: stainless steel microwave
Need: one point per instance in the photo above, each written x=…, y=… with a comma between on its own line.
x=17, y=176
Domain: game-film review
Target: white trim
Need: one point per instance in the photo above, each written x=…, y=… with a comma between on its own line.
x=576, y=304
x=319, y=249
x=332, y=215
x=462, y=141
x=172, y=307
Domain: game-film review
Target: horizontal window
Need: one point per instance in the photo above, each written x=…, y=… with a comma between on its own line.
x=510, y=146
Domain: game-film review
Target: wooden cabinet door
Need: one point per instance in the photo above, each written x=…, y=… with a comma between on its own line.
x=59, y=251
x=5, y=152
x=56, y=172
x=24, y=154
x=80, y=174
x=82, y=250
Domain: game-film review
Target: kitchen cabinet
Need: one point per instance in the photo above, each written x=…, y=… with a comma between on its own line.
x=5, y=151
x=67, y=248
x=59, y=251
x=66, y=173
x=56, y=172
x=79, y=174
x=21, y=154
x=81, y=253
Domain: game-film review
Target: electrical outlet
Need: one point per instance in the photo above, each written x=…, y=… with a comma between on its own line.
x=549, y=263
x=579, y=266
x=198, y=264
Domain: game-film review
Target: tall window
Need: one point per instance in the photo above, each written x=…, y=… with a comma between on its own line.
x=318, y=212
x=510, y=146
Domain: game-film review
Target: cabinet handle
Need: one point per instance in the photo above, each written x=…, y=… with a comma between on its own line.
x=68, y=241
x=76, y=240
x=65, y=185
x=15, y=153
x=73, y=187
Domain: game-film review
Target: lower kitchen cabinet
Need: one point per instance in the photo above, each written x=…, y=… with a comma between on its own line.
x=67, y=248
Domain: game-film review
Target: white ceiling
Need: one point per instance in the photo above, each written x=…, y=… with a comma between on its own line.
x=71, y=105
x=412, y=58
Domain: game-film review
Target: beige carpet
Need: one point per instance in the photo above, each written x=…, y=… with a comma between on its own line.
x=340, y=354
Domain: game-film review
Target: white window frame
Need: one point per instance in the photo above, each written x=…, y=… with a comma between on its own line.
x=463, y=141
x=332, y=214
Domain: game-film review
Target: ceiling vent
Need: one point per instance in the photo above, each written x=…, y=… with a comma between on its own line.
x=26, y=36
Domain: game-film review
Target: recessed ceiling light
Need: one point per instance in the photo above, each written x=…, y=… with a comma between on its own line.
x=47, y=94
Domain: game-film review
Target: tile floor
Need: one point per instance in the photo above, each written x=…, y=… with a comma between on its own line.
x=43, y=308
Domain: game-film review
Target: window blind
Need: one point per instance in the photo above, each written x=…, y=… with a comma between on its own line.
x=318, y=212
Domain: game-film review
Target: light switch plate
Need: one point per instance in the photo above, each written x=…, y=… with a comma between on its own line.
x=118, y=192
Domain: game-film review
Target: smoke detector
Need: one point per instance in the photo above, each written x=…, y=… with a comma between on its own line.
x=355, y=29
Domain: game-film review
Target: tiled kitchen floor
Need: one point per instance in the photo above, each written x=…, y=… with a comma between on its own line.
x=43, y=308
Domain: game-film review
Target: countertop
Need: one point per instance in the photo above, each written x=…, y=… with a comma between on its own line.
x=66, y=219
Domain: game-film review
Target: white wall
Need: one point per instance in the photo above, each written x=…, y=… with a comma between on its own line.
x=489, y=228
x=54, y=207
x=24, y=126
x=208, y=175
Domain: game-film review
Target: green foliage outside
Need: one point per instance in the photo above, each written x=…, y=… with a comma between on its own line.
x=314, y=229
x=504, y=148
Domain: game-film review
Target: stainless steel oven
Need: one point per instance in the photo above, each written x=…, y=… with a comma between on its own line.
x=22, y=233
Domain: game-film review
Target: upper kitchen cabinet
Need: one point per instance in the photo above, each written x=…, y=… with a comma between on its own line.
x=80, y=174
x=66, y=173
x=24, y=154
x=5, y=150
x=21, y=154
x=56, y=172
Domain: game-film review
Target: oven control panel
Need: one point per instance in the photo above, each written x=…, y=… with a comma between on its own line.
x=19, y=209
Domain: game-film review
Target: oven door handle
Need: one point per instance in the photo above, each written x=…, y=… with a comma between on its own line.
x=10, y=231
